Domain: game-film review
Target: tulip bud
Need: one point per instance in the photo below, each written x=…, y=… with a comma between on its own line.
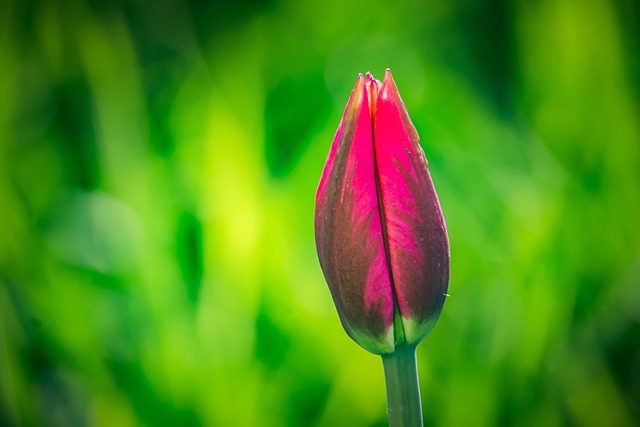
x=380, y=233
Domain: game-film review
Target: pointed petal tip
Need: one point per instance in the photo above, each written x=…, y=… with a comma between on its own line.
x=389, y=90
x=388, y=78
x=370, y=78
x=358, y=89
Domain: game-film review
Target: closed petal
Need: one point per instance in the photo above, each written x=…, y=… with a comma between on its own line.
x=349, y=233
x=417, y=237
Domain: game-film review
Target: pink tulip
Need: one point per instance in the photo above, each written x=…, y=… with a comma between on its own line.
x=380, y=233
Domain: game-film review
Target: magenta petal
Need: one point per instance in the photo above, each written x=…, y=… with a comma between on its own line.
x=349, y=233
x=417, y=237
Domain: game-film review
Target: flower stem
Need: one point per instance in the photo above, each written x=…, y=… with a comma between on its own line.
x=403, y=388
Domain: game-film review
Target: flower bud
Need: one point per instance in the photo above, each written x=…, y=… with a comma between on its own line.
x=380, y=233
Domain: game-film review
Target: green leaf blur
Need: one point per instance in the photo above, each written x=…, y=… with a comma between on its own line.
x=158, y=167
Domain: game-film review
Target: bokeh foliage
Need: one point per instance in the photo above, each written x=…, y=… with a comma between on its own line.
x=158, y=164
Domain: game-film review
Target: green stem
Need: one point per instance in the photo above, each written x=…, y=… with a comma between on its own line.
x=403, y=388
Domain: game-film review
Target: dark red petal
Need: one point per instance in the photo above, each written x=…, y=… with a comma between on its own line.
x=349, y=233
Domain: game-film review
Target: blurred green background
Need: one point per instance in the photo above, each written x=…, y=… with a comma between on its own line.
x=158, y=166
